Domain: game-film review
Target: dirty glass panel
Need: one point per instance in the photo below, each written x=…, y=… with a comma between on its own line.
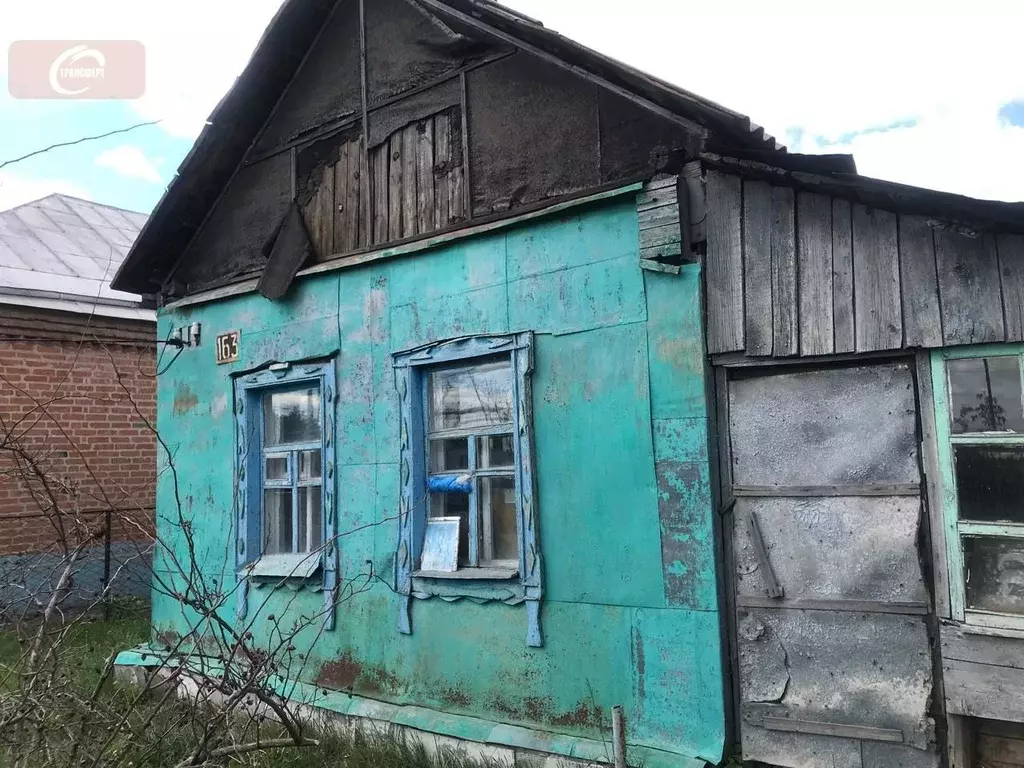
x=985, y=394
x=990, y=482
x=310, y=537
x=310, y=463
x=277, y=521
x=292, y=417
x=498, y=505
x=495, y=452
x=454, y=505
x=994, y=574
x=449, y=455
x=471, y=398
x=276, y=468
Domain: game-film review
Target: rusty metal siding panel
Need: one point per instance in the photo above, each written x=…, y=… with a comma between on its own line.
x=842, y=668
x=833, y=415
x=852, y=548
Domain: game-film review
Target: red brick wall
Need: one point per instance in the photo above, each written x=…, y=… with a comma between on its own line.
x=75, y=398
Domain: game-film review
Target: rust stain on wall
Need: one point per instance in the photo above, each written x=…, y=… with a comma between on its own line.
x=584, y=716
x=340, y=675
x=184, y=400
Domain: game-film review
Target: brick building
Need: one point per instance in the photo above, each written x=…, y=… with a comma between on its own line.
x=77, y=398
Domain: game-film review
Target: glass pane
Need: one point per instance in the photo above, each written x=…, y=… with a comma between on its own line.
x=310, y=464
x=449, y=455
x=454, y=505
x=498, y=503
x=468, y=398
x=985, y=395
x=990, y=482
x=495, y=451
x=310, y=527
x=994, y=573
x=277, y=521
x=276, y=468
x=292, y=417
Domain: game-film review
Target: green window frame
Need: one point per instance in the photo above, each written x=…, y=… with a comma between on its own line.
x=962, y=434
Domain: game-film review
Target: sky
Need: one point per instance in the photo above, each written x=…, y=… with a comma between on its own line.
x=922, y=93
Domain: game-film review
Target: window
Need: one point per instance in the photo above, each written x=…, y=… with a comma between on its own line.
x=980, y=427
x=284, y=472
x=468, y=518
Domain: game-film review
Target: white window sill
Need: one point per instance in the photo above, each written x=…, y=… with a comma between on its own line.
x=298, y=566
x=492, y=574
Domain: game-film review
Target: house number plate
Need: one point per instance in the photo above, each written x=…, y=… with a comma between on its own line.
x=227, y=347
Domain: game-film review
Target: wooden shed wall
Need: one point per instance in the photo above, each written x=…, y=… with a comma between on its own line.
x=793, y=273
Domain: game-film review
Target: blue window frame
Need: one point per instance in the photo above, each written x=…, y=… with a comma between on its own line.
x=285, y=472
x=467, y=462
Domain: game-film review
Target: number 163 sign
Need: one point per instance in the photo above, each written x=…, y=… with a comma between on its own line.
x=227, y=347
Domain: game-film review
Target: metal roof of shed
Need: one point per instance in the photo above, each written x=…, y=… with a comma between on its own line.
x=61, y=253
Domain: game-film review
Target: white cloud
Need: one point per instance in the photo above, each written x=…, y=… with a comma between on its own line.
x=16, y=190
x=131, y=162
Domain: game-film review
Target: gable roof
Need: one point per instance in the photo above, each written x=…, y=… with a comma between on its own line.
x=238, y=118
x=61, y=252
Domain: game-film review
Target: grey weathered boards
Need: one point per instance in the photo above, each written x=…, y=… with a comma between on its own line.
x=792, y=272
x=835, y=669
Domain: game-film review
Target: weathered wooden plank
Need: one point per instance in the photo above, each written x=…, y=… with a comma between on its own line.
x=784, y=285
x=922, y=323
x=876, y=267
x=365, y=208
x=352, y=214
x=658, y=217
x=842, y=277
x=663, y=235
x=325, y=196
x=968, y=267
x=757, y=266
x=656, y=196
x=1000, y=751
x=981, y=690
x=772, y=586
x=442, y=169
x=410, y=219
x=982, y=649
x=311, y=213
x=1011, y=267
x=379, y=159
x=343, y=235
x=657, y=266
x=906, y=608
x=862, y=732
x=793, y=491
x=960, y=742
x=724, y=263
x=395, y=192
x=425, y=177
x=814, y=253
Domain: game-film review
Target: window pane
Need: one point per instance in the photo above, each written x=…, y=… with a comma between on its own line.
x=310, y=528
x=985, y=395
x=498, y=503
x=990, y=482
x=276, y=468
x=310, y=465
x=449, y=455
x=277, y=521
x=454, y=505
x=994, y=573
x=495, y=451
x=292, y=417
x=468, y=398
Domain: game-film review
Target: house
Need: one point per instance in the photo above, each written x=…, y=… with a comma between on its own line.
x=531, y=386
x=76, y=460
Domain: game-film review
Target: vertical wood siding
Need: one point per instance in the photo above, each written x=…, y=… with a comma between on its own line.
x=411, y=183
x=793, y=273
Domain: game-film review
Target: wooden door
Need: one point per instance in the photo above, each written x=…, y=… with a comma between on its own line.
x=822, y=477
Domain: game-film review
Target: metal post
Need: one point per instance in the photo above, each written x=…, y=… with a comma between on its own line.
x=619, y=736
x=106, y=565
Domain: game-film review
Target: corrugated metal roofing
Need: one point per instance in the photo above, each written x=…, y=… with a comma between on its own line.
x=62, y=252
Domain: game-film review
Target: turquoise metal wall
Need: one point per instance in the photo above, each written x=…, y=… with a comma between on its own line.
x=630, y=613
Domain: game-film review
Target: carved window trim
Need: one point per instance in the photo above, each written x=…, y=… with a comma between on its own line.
x=525, y=587
x=298, y=570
